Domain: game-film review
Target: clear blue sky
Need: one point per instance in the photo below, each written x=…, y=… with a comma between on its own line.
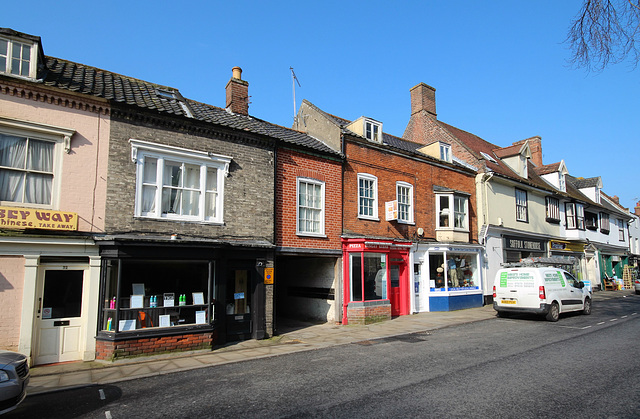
x=499, y=67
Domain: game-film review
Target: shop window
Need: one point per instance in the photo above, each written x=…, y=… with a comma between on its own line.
x=452, y=211
x=179, y=184
x=453, y=271
x=367, y=196
x=310, y=207
x=404, y=195
x=553, y=209
x=368, y=277
x=574, y=214
x=522, y=211
x=155, y=294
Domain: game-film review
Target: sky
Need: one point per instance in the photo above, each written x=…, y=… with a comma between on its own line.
x=500, y=67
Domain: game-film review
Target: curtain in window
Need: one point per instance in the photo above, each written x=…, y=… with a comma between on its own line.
x=191, y=198
x=459, y=212
x=12, y=154
x=172, y=179
x=211, y=193
x=38, y=185
x=149, y=187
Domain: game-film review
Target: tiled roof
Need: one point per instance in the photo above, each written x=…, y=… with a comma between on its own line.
x=512, y=150
x=92, y=81
x=581, y=183
x=548, y=168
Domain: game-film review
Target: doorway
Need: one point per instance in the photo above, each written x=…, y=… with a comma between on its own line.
x=399, y=295
x=59, y=317
x=238, y=304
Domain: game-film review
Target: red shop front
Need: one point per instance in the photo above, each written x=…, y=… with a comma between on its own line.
x=376, y=280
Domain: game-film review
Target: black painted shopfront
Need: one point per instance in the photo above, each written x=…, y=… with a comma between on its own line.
x=152, y=290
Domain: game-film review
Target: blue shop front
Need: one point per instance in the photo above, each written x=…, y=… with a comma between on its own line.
x=447, y=277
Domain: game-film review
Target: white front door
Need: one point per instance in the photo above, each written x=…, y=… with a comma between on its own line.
x=59, y=322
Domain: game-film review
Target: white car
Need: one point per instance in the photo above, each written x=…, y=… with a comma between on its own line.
x=546, y=291
x=636, y=283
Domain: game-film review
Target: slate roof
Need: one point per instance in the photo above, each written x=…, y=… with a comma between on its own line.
x=79, y=78
x=548, y=168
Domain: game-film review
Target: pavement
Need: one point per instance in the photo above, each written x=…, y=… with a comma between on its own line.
x=293, y=337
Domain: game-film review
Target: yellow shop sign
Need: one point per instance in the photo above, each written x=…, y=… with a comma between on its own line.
x=23, y=218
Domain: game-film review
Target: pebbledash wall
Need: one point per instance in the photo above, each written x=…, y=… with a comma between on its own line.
x=308, y=265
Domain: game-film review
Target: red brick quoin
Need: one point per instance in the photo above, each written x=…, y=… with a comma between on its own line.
x=111, y=351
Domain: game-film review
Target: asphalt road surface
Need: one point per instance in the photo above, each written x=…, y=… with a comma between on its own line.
x=519, y=367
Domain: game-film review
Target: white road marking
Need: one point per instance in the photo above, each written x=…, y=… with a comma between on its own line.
x=107, y=414
x=613, y=320
x=102, y=396
x=600, y=323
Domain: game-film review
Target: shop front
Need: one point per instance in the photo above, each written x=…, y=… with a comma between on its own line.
x=575, y=252
x=447, y=278
x=517, y=248
x=167, y=296
x=376, y=285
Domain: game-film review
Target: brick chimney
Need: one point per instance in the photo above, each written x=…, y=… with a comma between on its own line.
x=237, y=93
x=636, y=210
x=423, y=126
x=616, y=199
x=423, y=98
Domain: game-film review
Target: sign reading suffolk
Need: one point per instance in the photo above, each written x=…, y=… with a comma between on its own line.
x=519, y=243
x=24, y=218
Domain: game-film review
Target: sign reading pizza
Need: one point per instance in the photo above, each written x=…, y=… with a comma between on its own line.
x=25, y=218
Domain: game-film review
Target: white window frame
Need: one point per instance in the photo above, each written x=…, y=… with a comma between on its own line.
x=605, y=224
x=620, y=229
x=451, y=212
x=400, y=186
x=522, y=205
x=60, y=136
x=33, y=55
x=445, y=152
x=140, y=150
x=552, y=209
x=374, y=213
x=574, y=214
x=321, y=210
x=372, y=130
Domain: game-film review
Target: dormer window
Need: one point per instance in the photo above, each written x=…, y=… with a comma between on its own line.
x=561, y=182
x=17, y=58
x=372, y=130
x=445, y=152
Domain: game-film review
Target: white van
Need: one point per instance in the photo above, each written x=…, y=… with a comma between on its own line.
x=548, y=291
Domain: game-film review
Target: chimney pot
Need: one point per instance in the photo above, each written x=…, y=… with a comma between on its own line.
x=237, y=72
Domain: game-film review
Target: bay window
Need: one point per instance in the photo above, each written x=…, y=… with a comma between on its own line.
x=453, y=211
x=179, y=184
x=553, y=209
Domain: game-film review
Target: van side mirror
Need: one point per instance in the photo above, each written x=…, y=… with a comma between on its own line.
x=580, y=284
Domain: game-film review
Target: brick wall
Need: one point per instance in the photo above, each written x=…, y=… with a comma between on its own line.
x=358, y=314
x=389, y=169
x=111, y=351
x=248, y=193
x=11, y=288
x=291, y=166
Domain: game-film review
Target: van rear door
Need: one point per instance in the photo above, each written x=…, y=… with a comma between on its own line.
x=516, y=288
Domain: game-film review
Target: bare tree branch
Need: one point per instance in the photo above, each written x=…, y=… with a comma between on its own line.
x=605, y=32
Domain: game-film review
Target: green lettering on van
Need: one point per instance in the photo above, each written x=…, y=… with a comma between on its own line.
x=503, y=279
x=561, y=278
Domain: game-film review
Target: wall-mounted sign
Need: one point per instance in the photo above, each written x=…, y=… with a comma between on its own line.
x=519, y=243
x=268, y=276
x=570, y=247
x=391, y=210
x=23, y=218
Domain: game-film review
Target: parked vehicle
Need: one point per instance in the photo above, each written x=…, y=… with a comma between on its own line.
x=546, y=291
x=14, y=377
x=636, y=283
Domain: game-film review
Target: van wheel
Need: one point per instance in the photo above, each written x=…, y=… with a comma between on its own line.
x=554, y=312
x=586, y=309
x=502, y=314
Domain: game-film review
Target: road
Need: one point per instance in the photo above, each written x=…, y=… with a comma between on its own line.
x=524, y=367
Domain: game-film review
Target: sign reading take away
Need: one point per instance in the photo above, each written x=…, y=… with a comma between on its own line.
x=23, y=218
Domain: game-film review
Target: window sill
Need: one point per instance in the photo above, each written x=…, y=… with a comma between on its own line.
x=360, y=217
x=178, y=220
x=311, y=235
